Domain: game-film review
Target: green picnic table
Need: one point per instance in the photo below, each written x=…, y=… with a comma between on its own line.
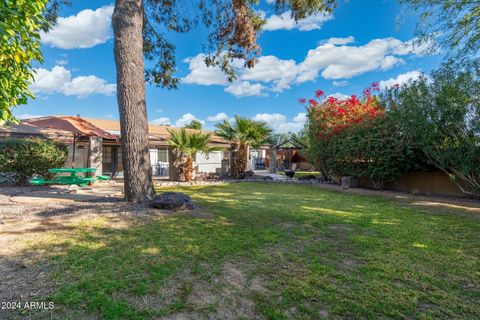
x=73, y=178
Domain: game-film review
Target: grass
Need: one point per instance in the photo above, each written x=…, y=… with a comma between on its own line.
x=270, y=251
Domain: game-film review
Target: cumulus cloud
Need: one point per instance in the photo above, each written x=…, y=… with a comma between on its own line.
x=201, y=74
x=86, y=29
x=334, y=59
x=339, y=96
x=186, y=119
x=161, y=121
x=279, y=122
x=59, y=80
x=342, y=61
x=401, y=79
x=340, y=41
x=285, y=21
x=272, y=69
x=245, y=89
x=218, y=117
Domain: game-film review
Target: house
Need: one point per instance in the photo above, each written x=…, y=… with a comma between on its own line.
x=97, y=143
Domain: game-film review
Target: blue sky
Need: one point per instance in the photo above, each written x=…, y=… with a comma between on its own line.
x=341, y=54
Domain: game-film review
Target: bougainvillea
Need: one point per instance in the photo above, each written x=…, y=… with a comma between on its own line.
x=355, y=136
x=332, y=114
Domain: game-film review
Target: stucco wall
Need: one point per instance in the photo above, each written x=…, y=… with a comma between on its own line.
x=209, y=163
x=422, y=183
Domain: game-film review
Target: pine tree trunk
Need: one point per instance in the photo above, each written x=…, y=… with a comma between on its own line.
x=127, y=23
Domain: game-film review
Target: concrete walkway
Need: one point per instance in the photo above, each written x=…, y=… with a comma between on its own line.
x=276, y=177
x=63, y=194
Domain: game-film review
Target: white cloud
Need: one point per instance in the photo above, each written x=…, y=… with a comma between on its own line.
x=341, y=41
x=161, y=121
x=285, y=21
x=416, y=47
x=342, y=83
x=279, y=122
x=334, y=58
x=272, y=69
x=50, y=81
x=27, y=116
x=339, y=96
x=86, y=29
x=218, y=117
x=245, y=89
x=401, y=79
x=186, y=119
x=301, y=117
x=341, y=61
x=159, y=110
x=85, y=86
x=59, y=80
x=201, y=74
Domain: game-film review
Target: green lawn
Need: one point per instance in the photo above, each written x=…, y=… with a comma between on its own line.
x=299, y=174
x=271, y=251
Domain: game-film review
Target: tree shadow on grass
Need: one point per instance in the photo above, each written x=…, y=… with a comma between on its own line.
x=318, y=252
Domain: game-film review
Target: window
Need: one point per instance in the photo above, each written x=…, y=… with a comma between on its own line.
x=107, y=154
x=162, y=155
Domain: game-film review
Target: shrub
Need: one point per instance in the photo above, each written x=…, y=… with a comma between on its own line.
x=24, y=158
x=441, y=115
x=357, y=137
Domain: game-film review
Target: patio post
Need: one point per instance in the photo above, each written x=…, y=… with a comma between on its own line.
x=272, y=161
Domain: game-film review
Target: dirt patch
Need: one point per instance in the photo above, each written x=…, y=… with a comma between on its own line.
x=423, y=306
x=201, y=295
x=349, y=264
x=234, y=276
x=256, y=285
x=341, y=227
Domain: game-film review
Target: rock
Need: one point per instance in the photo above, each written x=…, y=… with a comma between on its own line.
x=249, y=173
x=73, y=188
x=349, y=182
x=267, y=178
x=173, y=201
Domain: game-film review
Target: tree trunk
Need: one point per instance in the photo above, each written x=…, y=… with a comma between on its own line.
x=127, y=23
x=241, y=159
x=233, y=160
x=188, y=169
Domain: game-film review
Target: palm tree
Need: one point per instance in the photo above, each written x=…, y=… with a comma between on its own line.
x=242, y=134
x=188, y=144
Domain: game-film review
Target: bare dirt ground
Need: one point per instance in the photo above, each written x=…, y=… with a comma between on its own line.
x=22, y=278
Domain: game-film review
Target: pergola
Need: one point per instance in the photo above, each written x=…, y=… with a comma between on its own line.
x=288, y=145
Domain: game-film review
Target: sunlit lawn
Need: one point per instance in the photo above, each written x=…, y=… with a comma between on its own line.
x=271, y=251
x=299, y=174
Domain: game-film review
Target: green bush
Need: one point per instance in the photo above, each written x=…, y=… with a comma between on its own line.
x=441, y=116
x=24, y=158
x=375, y=149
